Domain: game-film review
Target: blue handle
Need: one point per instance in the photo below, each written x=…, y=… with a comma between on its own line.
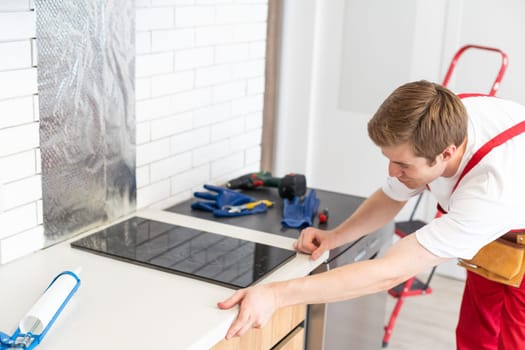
x=18, y=338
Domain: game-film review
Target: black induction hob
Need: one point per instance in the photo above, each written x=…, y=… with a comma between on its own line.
x=211, y=257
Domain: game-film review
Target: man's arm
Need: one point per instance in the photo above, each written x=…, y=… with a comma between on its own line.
x=373, y=213
x=403, y=260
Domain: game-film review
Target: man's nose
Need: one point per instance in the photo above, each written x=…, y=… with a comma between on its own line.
x=394, y=170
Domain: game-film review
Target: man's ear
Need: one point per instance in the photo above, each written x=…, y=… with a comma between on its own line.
x=449, y=152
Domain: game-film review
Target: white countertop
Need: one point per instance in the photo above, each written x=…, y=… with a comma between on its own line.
x=120, y=305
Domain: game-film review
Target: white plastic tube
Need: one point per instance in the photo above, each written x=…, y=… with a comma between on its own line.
x=42, y=312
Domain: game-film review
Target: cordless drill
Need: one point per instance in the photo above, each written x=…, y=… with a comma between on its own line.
x=289, y=186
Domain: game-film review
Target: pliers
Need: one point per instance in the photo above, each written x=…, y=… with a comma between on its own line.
x=247, y=206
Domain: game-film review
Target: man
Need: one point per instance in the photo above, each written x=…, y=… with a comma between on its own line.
x=428, y=135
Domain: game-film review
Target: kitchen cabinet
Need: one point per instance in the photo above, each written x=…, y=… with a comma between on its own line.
x=284, y=330
x=293, y=341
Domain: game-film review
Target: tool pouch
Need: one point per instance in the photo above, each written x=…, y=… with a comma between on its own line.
x=502, y=260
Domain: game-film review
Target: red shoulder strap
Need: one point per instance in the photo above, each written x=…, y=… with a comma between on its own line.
x=484, y=150
x=491, y=144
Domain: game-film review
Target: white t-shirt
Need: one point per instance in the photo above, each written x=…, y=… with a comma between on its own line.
x=490, y=200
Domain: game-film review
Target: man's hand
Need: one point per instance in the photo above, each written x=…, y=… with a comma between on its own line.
x=256, y=307
x=315, y=242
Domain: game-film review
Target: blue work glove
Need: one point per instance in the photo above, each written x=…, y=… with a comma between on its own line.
x=299, y=215
x=218, y=198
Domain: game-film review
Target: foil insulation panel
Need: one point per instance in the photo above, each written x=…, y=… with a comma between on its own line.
x=86, y=71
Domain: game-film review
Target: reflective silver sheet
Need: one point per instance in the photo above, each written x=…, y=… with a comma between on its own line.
x=86, y=69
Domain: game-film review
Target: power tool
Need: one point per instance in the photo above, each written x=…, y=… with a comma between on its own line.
x=289, y=186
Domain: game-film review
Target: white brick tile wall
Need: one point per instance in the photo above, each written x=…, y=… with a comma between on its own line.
x=210, y=152
x=142, y=176
x=193, y=58
x=190, y=179
x=258, y=49
x=194, y=99
x=214, y=35
x=226, y=129
x=150, y=152
x=23, y=191
x=227, y=164
x=232, y=53
x=154, y=18
x=168, y=84
x=14, y=5
x=241, y=13
x=247, y=104
x=208, y=103
x=18, y=219
x=153, y=193
x=147, y=65
x=15, y=54
x=142, y=3
x=171, y=2
x=168, y=167
x=34, y=53
x=194, y=16
x=248, y=69
x=213, y=75
x=165, y=127
x=142, y=88
x=20, y=223
x=21, y=82
x=143, y=42
x=216, y=2
x=173, y=199
x=36, y=111
x=39, y=212
x=17, y=25
x=38, y=161
x=256, y=86
x=18, y=166
x=190, y=140
x=153, y=108
x=16, y=111
x=167, y=40
x=21, y=244
x=143, y=133
x=253, y=121
x=248, y=139
x=252, y=156
x=19, y=139
x=229, y=91
x=249, y=32
x=211, y=114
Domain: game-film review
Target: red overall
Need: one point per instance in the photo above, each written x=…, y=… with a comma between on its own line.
x=492, y=315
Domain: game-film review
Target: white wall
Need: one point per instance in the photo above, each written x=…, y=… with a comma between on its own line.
x=199, y=91
x=341, y=59
x=21, y=229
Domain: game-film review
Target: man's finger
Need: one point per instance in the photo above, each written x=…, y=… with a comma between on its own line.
x=317, y=252
x=232, y=301
x=237, y=325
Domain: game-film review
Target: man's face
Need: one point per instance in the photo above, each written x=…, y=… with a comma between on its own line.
x=413, y=172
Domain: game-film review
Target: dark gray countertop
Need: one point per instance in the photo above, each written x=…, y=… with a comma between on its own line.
x=340, y=206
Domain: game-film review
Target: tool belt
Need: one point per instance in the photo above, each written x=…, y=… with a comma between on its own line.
x=502, y=260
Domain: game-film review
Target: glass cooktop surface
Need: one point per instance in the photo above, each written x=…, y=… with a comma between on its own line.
x=215, y=258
